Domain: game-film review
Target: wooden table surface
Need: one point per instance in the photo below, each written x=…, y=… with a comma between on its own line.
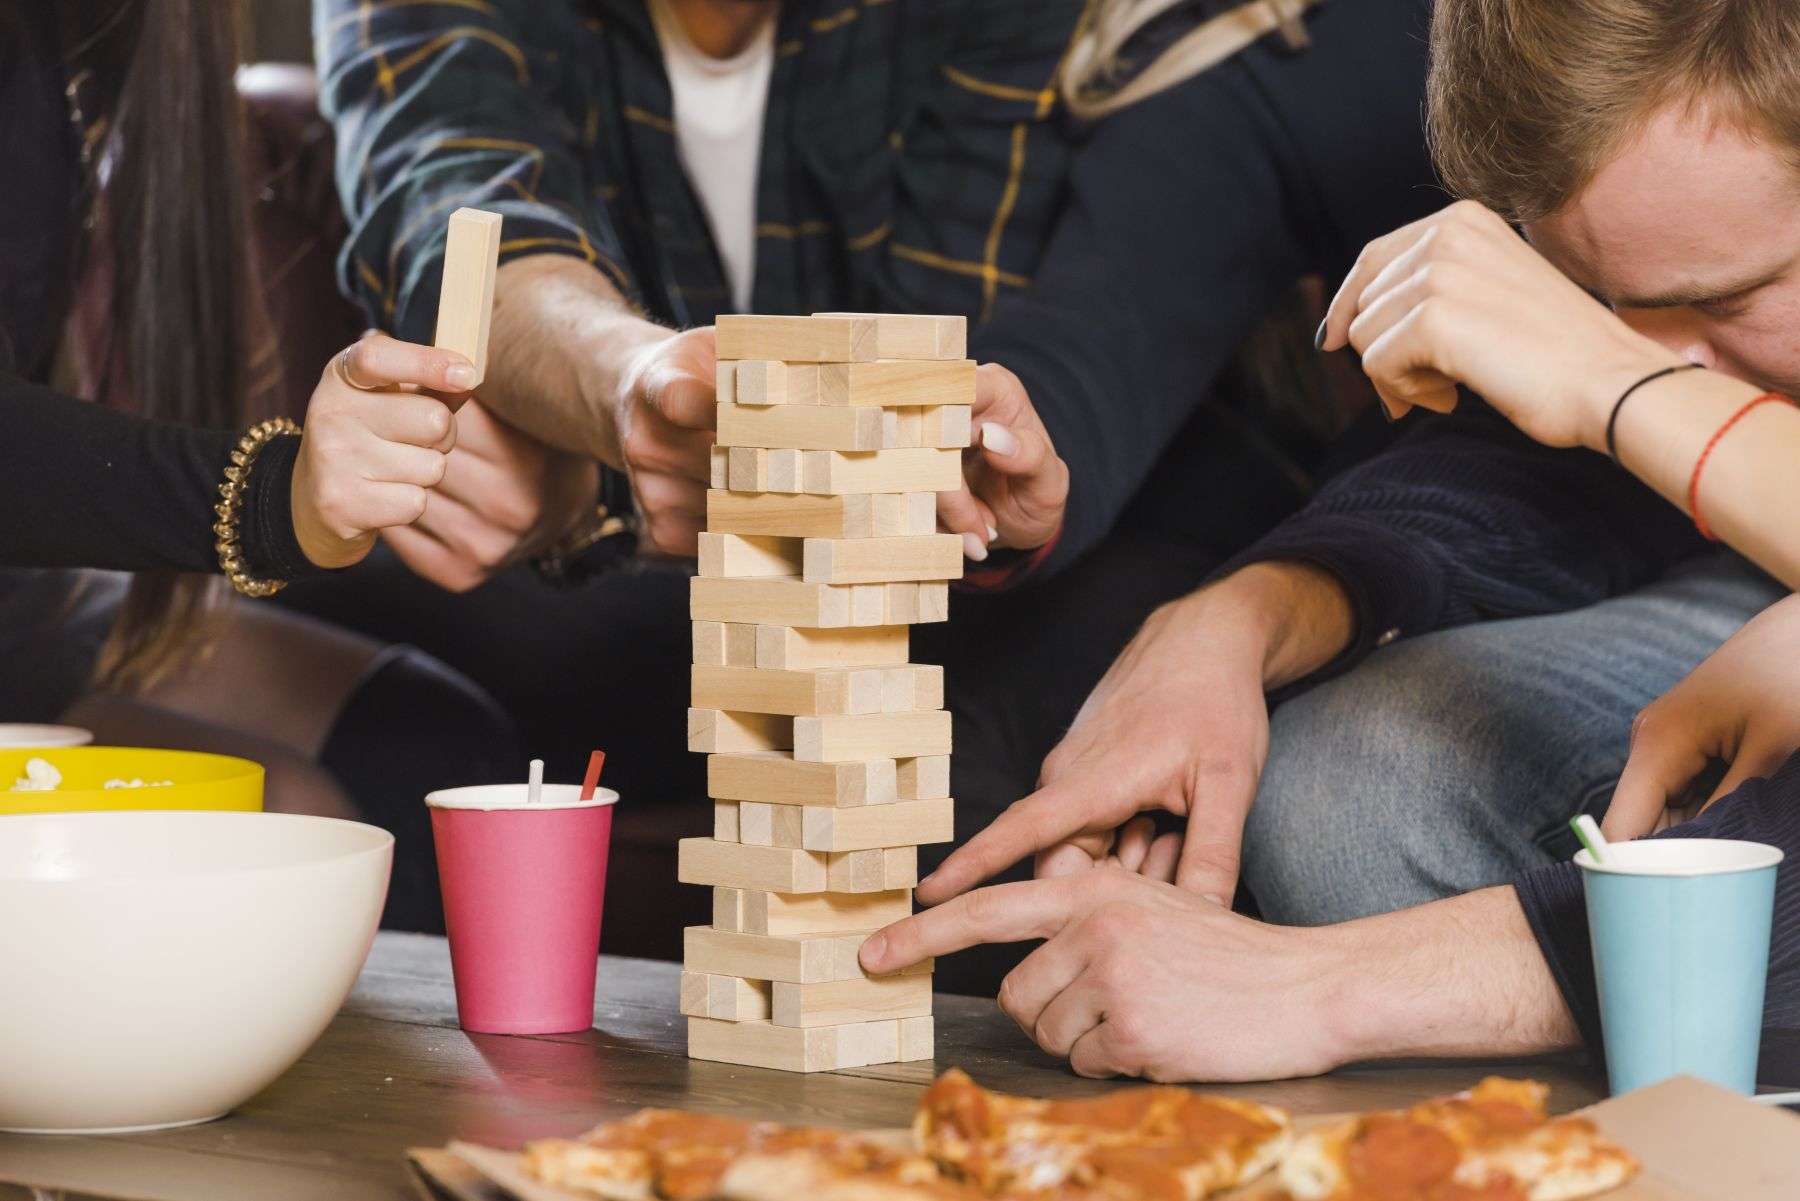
x=393, y=1071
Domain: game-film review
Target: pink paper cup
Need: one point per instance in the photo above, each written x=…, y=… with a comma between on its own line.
x=523, y=886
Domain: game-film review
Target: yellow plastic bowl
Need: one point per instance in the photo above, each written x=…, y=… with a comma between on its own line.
x=201, y=781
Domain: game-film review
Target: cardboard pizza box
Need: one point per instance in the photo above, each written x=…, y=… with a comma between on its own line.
x=1697, y=1142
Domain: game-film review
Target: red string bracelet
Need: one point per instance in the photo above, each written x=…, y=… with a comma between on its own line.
x=1700, y=463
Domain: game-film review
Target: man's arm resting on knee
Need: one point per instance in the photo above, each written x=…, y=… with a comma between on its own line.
x=1458, y=977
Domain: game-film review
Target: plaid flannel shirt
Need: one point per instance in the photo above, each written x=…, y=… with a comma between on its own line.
x=912, y=155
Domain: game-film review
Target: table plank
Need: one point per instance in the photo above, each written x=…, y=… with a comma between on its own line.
x=393, y=1071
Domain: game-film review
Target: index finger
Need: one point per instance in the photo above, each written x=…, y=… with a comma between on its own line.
x=1043, y=819
x=380, y=362
x=1000, y=913
x=1334, y=331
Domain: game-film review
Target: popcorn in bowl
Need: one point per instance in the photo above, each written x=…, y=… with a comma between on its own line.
x=42, y=776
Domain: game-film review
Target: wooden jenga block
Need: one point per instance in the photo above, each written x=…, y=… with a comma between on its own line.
x=801, y=959
x=916, y=335
x=725, y=386
x=776, y=778
x=835, y=1002
x=913, y=687
x=918, y=1038
x=800, y=427
x=934, y=602
x=725, y=998
x=903, y=604
x=920, y=778
x=825, y=690
x=693, y=994
x=901, y=515
x=871, y=736
x=735, y=999
x=771, y=382
x=945, y=425
x=759, y=469
x=878, y=560
x=833, y=472
x=726, y=643
x=785, y=828
x=756, y=824
x=725, y=822
x=750, y=556
x=879, y=870
x=466, y=296
x=896, y=383
x=721, y=467
x=798, y=649
x=728, y=909
x=739, y=865
x=903, y=823
x=795, y=339
x=794, y=1048
x=823, y=912
x=786, y=602
x=711, y=730
x=902, y=427
x=803, y=516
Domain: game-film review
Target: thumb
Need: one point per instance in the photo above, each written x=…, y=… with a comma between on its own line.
x=1212, y=847
x=1662, y=762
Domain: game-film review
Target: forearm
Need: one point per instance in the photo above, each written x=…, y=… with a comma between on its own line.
x=1458, y=977
x=1292, y=618
x=1748, y=491
x=561, y=347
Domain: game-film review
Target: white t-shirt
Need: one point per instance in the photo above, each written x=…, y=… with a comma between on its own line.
x=719, y=106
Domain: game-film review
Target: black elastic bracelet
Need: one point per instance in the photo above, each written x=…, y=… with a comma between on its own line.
x=1612, y=420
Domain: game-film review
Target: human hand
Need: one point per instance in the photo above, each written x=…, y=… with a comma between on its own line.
x=1177, y=723
x=504, y=497
x=1140, y=978
x=371, y=450
x=664, y=415
x=1460, y=298
x=1740, y=705
x=1015, y=484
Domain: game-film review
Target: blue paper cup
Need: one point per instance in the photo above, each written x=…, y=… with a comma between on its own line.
x=1681, y=950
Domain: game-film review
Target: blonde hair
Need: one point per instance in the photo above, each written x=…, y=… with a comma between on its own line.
x=1096, y=60
x=1527, y=99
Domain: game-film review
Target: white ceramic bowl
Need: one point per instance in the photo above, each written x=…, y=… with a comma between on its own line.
x=159, y=968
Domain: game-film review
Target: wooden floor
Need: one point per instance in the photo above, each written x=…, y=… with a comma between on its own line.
x=393, y=1071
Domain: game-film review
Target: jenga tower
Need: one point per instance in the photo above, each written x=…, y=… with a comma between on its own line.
x=828, y=752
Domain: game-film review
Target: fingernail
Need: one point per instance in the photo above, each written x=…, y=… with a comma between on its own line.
x=974, y=548
x=998, y=438
x=992, y=534
x=873, y=948
x=1319, y=338
x=460, y=375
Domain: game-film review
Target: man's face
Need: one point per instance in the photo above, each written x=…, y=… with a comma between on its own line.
x=1692, y=234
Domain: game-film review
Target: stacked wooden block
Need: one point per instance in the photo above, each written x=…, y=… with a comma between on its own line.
x=828, y=751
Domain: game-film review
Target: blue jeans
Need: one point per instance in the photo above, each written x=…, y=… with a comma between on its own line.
x=1454, y=760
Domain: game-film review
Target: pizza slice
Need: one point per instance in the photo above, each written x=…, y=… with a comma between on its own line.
x=1132, y=1144
x=667, y=1154
x=1493, y=1143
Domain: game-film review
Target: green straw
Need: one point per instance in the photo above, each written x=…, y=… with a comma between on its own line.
x=1588, y=830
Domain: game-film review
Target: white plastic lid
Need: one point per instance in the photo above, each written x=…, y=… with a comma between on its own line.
x=512, y=796
x=1681, y=857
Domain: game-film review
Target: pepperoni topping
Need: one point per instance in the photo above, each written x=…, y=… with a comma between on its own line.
x=1204, y=1121
x=1397, y=1159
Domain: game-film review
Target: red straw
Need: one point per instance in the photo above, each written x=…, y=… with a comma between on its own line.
x=592, y=780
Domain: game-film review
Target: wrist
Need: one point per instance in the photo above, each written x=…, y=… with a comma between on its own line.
x=1293, y=617
x=1609, y=379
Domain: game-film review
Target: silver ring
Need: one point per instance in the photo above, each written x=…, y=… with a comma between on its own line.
x=343, y=370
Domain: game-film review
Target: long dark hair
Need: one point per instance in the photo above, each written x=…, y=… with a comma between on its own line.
x=166, y=187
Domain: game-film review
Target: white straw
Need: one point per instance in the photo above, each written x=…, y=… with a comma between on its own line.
x=1777, y=1098
x=534, y=785
x=1588, y=831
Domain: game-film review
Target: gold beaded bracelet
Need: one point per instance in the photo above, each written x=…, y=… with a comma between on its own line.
x=231, y=506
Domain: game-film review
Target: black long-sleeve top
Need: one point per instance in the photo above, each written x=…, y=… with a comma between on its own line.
x=1766, y=811
x=85, y=486
x=1188, y=217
